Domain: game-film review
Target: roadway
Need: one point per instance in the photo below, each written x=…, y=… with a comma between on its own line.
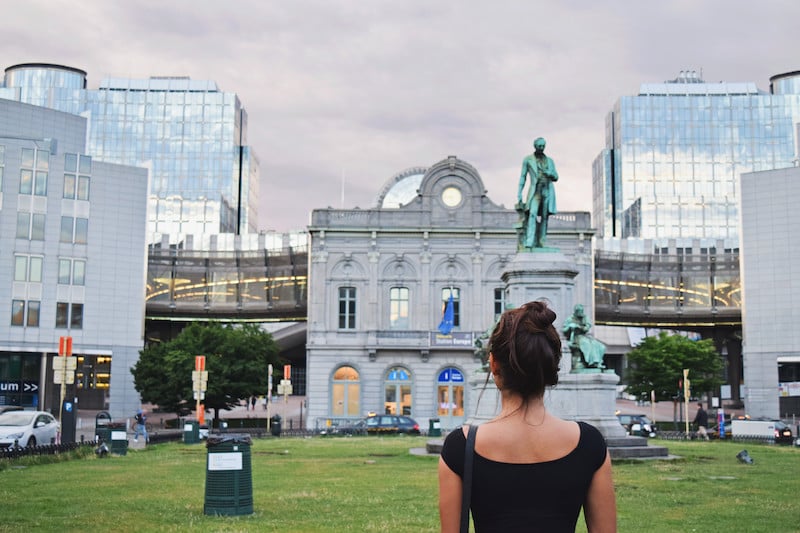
x=293, y=409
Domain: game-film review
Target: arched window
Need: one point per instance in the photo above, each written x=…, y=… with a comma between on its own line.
x=345, y=392
x=450, y=397
x=397, y=392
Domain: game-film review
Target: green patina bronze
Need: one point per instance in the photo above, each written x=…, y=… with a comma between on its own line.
x=587, y=352
x=540, y=202
x=482, y=342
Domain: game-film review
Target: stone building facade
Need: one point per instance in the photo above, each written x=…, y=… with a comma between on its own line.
x=379, y=281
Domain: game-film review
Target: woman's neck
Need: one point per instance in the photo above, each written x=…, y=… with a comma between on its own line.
x=531, y=410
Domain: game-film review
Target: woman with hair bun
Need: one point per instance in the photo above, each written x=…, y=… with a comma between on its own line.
x=531, y=471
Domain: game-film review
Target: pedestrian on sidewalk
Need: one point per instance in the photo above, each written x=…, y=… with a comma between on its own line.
x=253, y=402
x=701, y=421
x=140, y=428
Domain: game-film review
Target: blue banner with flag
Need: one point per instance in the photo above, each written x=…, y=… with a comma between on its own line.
x=446, y=325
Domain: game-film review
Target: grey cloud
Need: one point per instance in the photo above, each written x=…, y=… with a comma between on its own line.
x=364, y=89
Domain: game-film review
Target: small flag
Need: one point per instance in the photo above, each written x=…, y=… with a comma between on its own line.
x=446, y=325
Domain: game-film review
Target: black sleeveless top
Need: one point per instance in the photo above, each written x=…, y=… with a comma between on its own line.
x=545, y=496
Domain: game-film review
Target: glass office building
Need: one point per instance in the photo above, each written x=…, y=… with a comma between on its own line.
x=669, y=173
x=667, y=200
x=191, y=136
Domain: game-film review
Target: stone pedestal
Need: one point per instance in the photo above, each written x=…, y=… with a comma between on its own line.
x=589, y=397
x=540, y=275
x=548, y=275
x=586, y=397
x=484, y=398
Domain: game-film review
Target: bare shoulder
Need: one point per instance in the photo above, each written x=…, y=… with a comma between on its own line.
x=512, y=442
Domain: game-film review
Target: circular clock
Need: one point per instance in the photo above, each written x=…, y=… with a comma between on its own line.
x=451, y=196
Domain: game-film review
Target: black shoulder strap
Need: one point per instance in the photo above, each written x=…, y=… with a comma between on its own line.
x=466, y=486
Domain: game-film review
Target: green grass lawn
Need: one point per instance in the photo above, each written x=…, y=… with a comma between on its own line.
x=375, y=484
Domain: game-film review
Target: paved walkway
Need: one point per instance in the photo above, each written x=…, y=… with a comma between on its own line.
x=667, y=411
x=291, y=411
x=293, y=414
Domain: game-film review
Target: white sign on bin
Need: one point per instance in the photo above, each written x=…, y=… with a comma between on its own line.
x=118, y=435
x=225, y=461
x=187, y=427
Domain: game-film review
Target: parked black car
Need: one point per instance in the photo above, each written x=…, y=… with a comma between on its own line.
x=637, y=425
x=391, y=424
x=381, y=425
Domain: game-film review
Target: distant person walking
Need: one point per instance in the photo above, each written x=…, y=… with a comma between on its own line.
x=253, y=402
x=140, y=420
x=701, y=421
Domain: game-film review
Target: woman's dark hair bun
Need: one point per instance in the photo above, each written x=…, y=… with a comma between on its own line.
x=541, y=315
x=527, y=348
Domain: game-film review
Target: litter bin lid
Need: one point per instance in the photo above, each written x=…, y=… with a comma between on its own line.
x=234, y=438
x=102, y=418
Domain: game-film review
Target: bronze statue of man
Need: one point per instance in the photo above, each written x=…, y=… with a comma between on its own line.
x=541, y=199
x=587, y=352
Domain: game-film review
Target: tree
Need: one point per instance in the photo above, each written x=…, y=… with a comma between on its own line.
x=657, y=364
x=236, y=361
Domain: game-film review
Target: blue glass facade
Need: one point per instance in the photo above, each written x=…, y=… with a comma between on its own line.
x=45, y=85
x=674, y=153
x=191, y=136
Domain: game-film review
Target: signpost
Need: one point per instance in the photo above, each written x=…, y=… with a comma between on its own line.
x=285, y=386
x=200, y=385
x=64, y=371
x=269, y=394
x=686, y=396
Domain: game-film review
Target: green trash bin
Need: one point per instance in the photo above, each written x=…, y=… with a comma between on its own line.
x=434, y=427
x=275, y=425
x=229, y=477
x=102, y=433
x=119, y=438
x=191, y=432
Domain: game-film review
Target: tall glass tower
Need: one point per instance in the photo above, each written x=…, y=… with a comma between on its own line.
x=191, y=136
x=674, y=152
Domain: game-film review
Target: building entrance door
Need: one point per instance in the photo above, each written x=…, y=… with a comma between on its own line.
x=450, y=395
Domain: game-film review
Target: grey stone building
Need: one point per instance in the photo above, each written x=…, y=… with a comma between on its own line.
x=380, y=278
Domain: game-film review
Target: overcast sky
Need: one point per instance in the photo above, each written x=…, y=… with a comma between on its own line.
x=356, y=91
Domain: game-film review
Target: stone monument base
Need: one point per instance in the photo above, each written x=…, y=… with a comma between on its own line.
x=589, y=397
x=489, y=405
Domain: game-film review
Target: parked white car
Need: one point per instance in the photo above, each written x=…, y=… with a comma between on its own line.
x=27, y=428
x=772, y=430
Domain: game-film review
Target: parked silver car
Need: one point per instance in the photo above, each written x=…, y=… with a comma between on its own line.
x=27, y=428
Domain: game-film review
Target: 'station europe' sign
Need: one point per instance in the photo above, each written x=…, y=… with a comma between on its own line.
x=456, y=339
